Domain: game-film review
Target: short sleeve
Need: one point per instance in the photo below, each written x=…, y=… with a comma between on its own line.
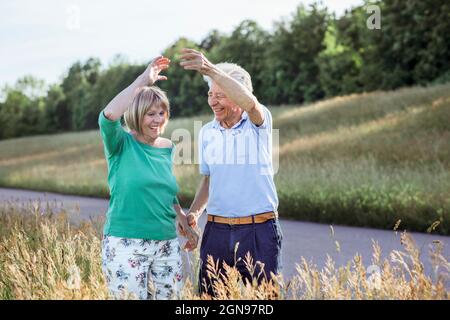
x=267, y=124
x=113, y=135
x=203, y=166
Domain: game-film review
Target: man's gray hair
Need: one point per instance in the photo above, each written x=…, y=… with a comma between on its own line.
x=236, y=72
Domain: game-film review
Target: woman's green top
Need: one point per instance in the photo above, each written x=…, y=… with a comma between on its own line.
x=142, y=186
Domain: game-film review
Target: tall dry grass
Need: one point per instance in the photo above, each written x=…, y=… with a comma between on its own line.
x=42, y=256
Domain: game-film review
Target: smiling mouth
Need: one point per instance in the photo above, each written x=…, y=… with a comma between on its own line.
x=218, y=110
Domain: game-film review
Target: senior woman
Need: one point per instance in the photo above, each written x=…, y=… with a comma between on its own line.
x=140, y=249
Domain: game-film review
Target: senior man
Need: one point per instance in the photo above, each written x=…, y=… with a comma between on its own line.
x=237, y=186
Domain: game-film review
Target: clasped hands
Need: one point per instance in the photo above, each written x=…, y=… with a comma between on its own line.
x=187, y=227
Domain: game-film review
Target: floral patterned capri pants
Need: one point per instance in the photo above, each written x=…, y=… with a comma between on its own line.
x=144, y=269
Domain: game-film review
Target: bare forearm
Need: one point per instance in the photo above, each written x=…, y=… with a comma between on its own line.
x=117, y=106
x=179, y=211
x=233, y=89
x=201, y=197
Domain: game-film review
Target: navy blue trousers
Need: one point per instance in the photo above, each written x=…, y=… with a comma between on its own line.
x=261, y=240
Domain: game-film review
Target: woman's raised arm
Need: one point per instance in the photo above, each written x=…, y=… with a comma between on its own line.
x=117, y=106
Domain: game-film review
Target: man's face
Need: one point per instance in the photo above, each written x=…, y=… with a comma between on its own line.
x=224, y=109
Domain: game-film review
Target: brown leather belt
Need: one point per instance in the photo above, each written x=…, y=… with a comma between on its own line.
x=258, y=218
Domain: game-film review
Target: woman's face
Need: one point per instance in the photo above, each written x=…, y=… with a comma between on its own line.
x=153, y=122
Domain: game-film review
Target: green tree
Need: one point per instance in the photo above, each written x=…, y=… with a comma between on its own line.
x=56, y=110
x=212, y=39
x=340, y=62
x=22, y=112
x=186, y=90
x=245, y=46
x=11, y=113
x=109, y=83
x=291, y=68
x=414, y=45
x=77, y=87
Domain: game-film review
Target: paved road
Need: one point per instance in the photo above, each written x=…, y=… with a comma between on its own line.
x=310, y=240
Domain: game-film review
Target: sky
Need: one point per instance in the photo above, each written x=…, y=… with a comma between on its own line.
x=43, y=38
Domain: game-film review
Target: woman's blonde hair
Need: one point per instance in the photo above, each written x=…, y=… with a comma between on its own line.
x=146, y=98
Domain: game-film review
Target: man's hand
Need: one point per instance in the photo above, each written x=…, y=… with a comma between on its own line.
x=192, y=219
x=195, y=60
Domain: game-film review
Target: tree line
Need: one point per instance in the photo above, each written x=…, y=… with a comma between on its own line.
x=307, y=57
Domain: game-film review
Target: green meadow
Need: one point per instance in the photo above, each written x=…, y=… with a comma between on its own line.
x=366, y=159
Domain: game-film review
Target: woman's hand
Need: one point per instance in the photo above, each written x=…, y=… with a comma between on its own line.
x=152, y=73
x=195, y=60
x=117, y=106
x=185, y=230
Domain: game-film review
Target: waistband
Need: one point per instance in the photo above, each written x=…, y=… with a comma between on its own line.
x=257, y=218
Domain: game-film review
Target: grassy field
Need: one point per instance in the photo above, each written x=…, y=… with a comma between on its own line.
x=43, y=257
x=364, y=159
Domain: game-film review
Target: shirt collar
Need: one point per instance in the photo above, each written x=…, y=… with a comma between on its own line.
x=217, y=125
